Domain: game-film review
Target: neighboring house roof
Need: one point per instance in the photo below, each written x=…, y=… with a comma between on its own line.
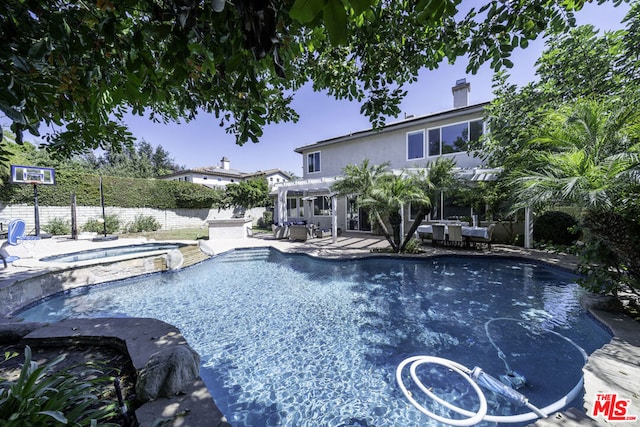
x=230, y=173
x=269, y=172
x=208, y=170
x=408, y=122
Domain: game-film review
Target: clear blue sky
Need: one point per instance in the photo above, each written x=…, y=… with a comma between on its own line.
x=203, y=142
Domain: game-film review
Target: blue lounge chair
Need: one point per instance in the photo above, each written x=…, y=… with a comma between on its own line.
x=15, y=236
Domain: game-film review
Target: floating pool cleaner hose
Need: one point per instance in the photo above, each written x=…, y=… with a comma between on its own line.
x=476, y=377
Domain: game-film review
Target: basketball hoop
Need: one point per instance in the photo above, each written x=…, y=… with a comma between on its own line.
x=34, y=175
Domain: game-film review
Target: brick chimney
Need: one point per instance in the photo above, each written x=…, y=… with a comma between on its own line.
x=224, y=163
x=461, y=93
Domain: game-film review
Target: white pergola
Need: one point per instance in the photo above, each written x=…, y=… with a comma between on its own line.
x=307, y=187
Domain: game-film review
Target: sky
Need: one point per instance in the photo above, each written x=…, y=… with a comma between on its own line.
x=202, y=142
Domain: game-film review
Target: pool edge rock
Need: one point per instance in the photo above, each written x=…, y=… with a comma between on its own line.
x=141, y=339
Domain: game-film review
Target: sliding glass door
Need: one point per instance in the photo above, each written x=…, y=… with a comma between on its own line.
x=357, y=217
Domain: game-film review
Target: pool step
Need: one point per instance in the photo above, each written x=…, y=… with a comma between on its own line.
x=245, y=255
x=192, y=255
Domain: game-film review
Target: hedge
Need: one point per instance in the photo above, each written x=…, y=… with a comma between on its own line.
x=122, y=192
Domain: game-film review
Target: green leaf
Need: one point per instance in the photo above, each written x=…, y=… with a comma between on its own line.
x=56, y=415
x=360, y=6
x=38, y=49
x=335, y=21
x=305, y=11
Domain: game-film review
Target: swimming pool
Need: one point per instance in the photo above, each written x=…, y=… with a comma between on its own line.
x=288, y=340
x=110, y=252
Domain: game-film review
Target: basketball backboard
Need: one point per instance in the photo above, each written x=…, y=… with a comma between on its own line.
x=32, y=175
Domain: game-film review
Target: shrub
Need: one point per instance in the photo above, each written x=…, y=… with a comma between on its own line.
x=555, y=227
x=267, y=217
x=414, y=246
x=96, y=225
x=58, y=226
x=40, y=396
x=143, y=223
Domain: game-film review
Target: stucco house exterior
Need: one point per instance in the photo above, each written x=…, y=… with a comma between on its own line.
x=219, y=176
x=409, y=143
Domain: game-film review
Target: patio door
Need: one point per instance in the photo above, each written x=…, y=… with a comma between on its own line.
x=357, y=217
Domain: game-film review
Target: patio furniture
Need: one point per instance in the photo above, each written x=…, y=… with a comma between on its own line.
x=437, y=234
x=484, y=238
x=323, y=233
x=300, y=232
x=15, y=236
x=454, y=235
x=280, y=231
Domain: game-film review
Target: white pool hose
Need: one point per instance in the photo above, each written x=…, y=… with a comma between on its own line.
x=476, y=377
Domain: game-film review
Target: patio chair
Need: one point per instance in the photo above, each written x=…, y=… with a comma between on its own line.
x=280, y=231
x=299, y=232
x=437, y=234
x=15, y=236
x=485, y=240
x=454, y=235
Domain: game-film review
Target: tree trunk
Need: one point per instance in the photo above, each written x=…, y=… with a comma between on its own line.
x=414, y=226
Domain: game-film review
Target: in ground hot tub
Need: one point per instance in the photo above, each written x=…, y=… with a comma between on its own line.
x=110, y=252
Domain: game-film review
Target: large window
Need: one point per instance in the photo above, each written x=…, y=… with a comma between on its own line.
x=415, y=145
x=322, y=206
x=313, y=162
x=454, y=138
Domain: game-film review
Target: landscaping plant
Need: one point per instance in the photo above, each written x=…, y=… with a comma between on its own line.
x=42, y=396
x=143, y=223
x=97, y=226
x=57, y=227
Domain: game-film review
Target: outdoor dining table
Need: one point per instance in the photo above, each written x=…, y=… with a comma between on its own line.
x=467, y=231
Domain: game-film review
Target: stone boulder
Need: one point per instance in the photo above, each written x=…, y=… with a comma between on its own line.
x=168, y=373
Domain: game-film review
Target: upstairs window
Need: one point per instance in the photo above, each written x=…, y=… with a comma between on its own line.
x=415, y=145
x=313, y=162
x=454, y=138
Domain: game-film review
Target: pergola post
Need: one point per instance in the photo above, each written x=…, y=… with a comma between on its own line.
x=334, y=218
x=528, y=228
x=282, y=205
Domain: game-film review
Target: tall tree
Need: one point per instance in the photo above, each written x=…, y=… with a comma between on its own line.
x=248, y=194
x=80, y=66
x=588, y=155
x=580, y=63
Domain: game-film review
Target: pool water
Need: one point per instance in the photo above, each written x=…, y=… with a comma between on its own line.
x=288, y=340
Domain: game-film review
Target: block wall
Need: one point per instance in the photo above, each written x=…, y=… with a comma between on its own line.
x=170, y=219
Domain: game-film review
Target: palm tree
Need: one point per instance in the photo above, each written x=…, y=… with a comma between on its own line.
x=386, y=201
x=432, y=180
x=581, y=158
x=360, y=179
x=589, y=157
x=384, y=194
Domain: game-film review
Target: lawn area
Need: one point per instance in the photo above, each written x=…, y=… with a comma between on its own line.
x=182, y=234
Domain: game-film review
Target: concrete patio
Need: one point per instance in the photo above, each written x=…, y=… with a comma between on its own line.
x=614, y=368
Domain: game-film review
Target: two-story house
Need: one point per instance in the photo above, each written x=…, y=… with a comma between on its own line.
x=219, y=176
x=409, y=143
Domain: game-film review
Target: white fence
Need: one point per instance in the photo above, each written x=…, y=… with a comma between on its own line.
x=170, y=219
